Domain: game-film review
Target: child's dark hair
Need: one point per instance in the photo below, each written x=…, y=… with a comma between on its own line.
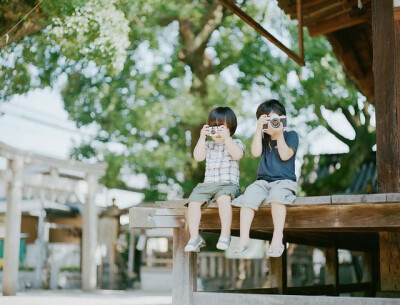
x=268, y=106
x=220, y=115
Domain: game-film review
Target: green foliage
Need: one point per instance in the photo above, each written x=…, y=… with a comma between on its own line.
x=150, y=97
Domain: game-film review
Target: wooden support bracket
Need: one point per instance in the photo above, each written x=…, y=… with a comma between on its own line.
x=299, y=59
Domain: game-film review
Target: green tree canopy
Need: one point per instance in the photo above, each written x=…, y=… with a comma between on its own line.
x=148, y=81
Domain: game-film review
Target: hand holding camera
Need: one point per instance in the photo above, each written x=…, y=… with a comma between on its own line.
x=275, y=123
x=205, y=131
x=224, y=132
x=262, y=120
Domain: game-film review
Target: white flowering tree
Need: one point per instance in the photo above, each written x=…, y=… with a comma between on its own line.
x=97, y=31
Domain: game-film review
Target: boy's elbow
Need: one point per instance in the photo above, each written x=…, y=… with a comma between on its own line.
x=256, y=154
x=199, y=158
x=287, y=157
x=238, y=156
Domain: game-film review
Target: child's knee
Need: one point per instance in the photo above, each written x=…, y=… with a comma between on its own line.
x=195, y=203
x=224, y=199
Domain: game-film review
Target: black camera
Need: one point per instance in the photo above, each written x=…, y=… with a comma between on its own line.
x=275, y=121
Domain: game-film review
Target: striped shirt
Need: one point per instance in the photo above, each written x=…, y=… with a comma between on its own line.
x=220, y=167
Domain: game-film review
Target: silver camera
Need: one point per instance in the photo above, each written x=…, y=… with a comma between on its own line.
x=213, y=130
x=275, y=121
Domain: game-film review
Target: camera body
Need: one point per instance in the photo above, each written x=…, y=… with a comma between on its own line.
x=213, y=130
x=275, y=121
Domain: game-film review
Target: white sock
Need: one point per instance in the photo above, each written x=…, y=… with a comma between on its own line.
x=224, y=239
x=193, y=239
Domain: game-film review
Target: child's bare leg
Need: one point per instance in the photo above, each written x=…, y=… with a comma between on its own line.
x=246, y=218
x=278, y=211
x=225, y=214
x=194, y=216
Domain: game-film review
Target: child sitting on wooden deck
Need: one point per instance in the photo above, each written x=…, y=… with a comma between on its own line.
x=276, y=179
x=221, y=183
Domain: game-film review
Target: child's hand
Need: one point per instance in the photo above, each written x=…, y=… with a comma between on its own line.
x=224, y=132
x=274, y=131
x=261, y=121
x=205, y=131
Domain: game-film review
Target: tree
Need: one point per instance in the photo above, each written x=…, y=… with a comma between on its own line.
x=13, y=11
x=325, y=83
x=175, y=70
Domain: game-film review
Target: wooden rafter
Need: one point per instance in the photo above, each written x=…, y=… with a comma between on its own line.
x=335, y=24
x=255, y=25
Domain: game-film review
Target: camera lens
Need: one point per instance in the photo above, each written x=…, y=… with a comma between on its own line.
x=275, y=123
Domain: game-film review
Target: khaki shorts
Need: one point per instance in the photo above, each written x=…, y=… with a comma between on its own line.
x=264, y=192
x=209, y=192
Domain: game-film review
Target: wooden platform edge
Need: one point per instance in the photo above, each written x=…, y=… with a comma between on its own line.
x=310, y=200
x=153, y=217
x=203, y=298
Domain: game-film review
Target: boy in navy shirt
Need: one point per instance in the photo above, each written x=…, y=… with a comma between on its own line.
x=276, y=180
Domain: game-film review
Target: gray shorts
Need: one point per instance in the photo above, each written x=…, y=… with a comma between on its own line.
x=209, y=192
x=263, y=192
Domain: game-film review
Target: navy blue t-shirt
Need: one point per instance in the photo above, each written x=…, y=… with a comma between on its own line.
x=271, y=167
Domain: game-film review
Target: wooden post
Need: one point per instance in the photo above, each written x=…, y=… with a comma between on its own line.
x=368, y=275
x=89, y=237
x=332, y=268
x=278, y=272
x=131, y=257
x=397, y=61
x=386, y=63
x=183, y=269
x=40, y=242
x=13, y=228
x=390, y=260
x=387, y=101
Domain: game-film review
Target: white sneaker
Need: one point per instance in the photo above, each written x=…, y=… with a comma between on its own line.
x=223, y=244
x=195, y=246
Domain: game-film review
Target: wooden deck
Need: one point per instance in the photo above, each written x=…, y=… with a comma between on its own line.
x=367, y=223
x=347, y=213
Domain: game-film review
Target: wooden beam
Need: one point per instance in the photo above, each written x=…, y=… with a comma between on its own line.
x=205, y=298
x=300, y=28
x=387, y=105
x=32, y=158
x=335, y=24
x=340, y=217
x=347, y=8
x=231, y=6
x=323, y=217
x=141, y=217
x=311, y=200
x=325, y=7
x=396, y=13
x=354, y=241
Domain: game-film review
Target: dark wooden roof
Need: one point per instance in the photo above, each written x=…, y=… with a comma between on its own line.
x=364, y=182
x=349, y=30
